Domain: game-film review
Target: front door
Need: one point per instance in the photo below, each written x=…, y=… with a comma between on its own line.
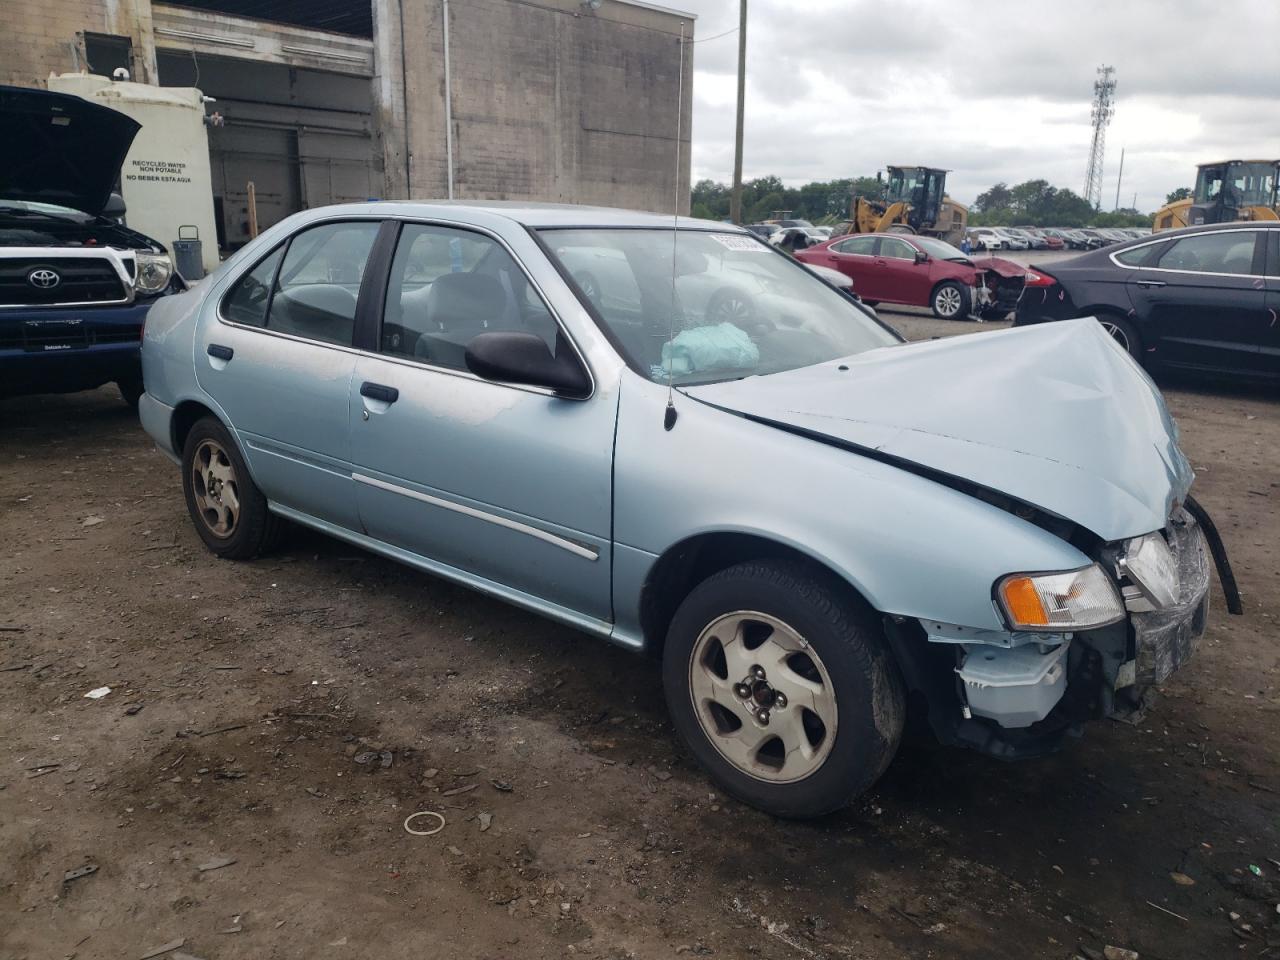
x=904, y=279
x=276, y=357
x=1203, y=303
x=503, y=484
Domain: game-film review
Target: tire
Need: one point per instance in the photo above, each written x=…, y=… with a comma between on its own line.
x=130, y=391
x=1124, y=333
x=228, y=510
x=812, y=655
x=950, y=301
x=731, y=305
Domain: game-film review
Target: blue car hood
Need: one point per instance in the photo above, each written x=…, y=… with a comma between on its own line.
x=1055, y=415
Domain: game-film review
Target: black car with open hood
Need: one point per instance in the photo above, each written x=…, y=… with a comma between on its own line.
x=75, y=281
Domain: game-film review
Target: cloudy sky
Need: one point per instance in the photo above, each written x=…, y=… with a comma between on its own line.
x=994, y=90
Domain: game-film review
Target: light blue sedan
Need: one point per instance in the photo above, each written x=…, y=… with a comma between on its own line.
x=682, y=441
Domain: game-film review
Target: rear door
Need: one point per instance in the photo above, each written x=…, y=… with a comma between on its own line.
x=1270, y=350
x=509, y=485
x=1203, y=302
x=854, y=257
x=277, y=358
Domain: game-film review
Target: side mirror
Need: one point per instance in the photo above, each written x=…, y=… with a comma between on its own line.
x=115, y=208
x=921, y=256
x=511, y=357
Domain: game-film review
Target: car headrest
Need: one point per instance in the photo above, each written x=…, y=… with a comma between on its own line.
x=465, y=301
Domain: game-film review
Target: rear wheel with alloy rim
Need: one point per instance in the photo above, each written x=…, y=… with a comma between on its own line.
x=950, y=301
x=779, y=679
x=1122, y=332
x=229, y=511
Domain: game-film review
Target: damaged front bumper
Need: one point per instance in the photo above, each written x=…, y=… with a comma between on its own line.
x=1022, y=694
x=996, y=295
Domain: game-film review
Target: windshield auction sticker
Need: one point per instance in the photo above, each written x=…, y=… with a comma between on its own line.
x=734, y=241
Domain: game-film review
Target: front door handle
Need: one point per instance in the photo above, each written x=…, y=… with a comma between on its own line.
x=1150, y=283
x=377, y=391
x=219, y=352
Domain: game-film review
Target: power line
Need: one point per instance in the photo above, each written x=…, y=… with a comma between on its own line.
x=716, y=37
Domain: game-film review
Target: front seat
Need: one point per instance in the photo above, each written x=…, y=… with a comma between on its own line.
x=459, y=306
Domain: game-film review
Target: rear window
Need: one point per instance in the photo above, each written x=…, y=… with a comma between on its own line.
x=1138, y=256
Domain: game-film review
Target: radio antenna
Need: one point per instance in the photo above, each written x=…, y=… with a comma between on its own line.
x=669, y=417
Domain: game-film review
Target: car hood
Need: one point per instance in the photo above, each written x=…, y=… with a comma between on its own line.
x=56, y=148
x=1055, y=415
x=1005, y=268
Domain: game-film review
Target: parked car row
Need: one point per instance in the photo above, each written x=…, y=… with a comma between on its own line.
x=1051, y=238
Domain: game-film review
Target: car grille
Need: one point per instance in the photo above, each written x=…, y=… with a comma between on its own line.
x=49, y=336
x=80, y=280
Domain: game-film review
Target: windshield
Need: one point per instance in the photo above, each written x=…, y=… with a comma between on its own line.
x=739, y=308
x=42, y=209
x=938, y=249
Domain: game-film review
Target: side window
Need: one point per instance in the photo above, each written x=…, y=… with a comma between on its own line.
x=446, y=287
x=247, y=301
x=858, y=245
x=1212, y=253
x=319, y=282
x=1138, y=256
x=1273, y=253
x=896, y=249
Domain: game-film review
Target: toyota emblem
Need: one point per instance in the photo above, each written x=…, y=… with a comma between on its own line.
x=44, y=278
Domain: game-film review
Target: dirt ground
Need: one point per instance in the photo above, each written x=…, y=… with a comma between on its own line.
x=286, y=715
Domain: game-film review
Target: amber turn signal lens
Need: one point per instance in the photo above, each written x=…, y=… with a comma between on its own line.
x=1022, y=600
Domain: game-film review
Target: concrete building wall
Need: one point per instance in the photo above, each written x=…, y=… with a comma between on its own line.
x=549, y=101
x=47, y=37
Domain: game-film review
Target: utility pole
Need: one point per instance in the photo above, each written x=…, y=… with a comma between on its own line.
x=735, y=199
x=1119, y=178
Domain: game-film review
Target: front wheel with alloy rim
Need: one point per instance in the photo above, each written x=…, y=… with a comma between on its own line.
x=779, y=679
x=229, y=511
x=950, y=301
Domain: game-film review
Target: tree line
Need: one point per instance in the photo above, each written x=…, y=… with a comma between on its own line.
x=1033, y=203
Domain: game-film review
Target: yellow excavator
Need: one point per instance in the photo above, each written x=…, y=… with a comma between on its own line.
x=915, y=201
x=1226, y=190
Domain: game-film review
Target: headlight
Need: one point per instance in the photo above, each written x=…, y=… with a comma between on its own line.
x=1149, y=563
x=154, y=271
x=1072, y=600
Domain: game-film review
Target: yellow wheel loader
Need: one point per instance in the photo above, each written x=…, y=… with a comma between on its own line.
x=1225, y=191
x=915, y=202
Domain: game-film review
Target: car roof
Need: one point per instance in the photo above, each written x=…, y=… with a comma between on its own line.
x=527, y=213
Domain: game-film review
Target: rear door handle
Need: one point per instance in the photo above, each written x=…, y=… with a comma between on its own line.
x=377, y=391
x=1150, y=283
x=219, y=352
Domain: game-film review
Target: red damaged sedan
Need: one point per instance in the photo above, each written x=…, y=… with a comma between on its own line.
x=922, y=272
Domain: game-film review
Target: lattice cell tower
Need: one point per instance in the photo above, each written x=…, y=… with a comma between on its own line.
x=1104, y=108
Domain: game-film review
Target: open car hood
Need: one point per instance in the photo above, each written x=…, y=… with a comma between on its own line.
x=56, y=148
x=1056, y=415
